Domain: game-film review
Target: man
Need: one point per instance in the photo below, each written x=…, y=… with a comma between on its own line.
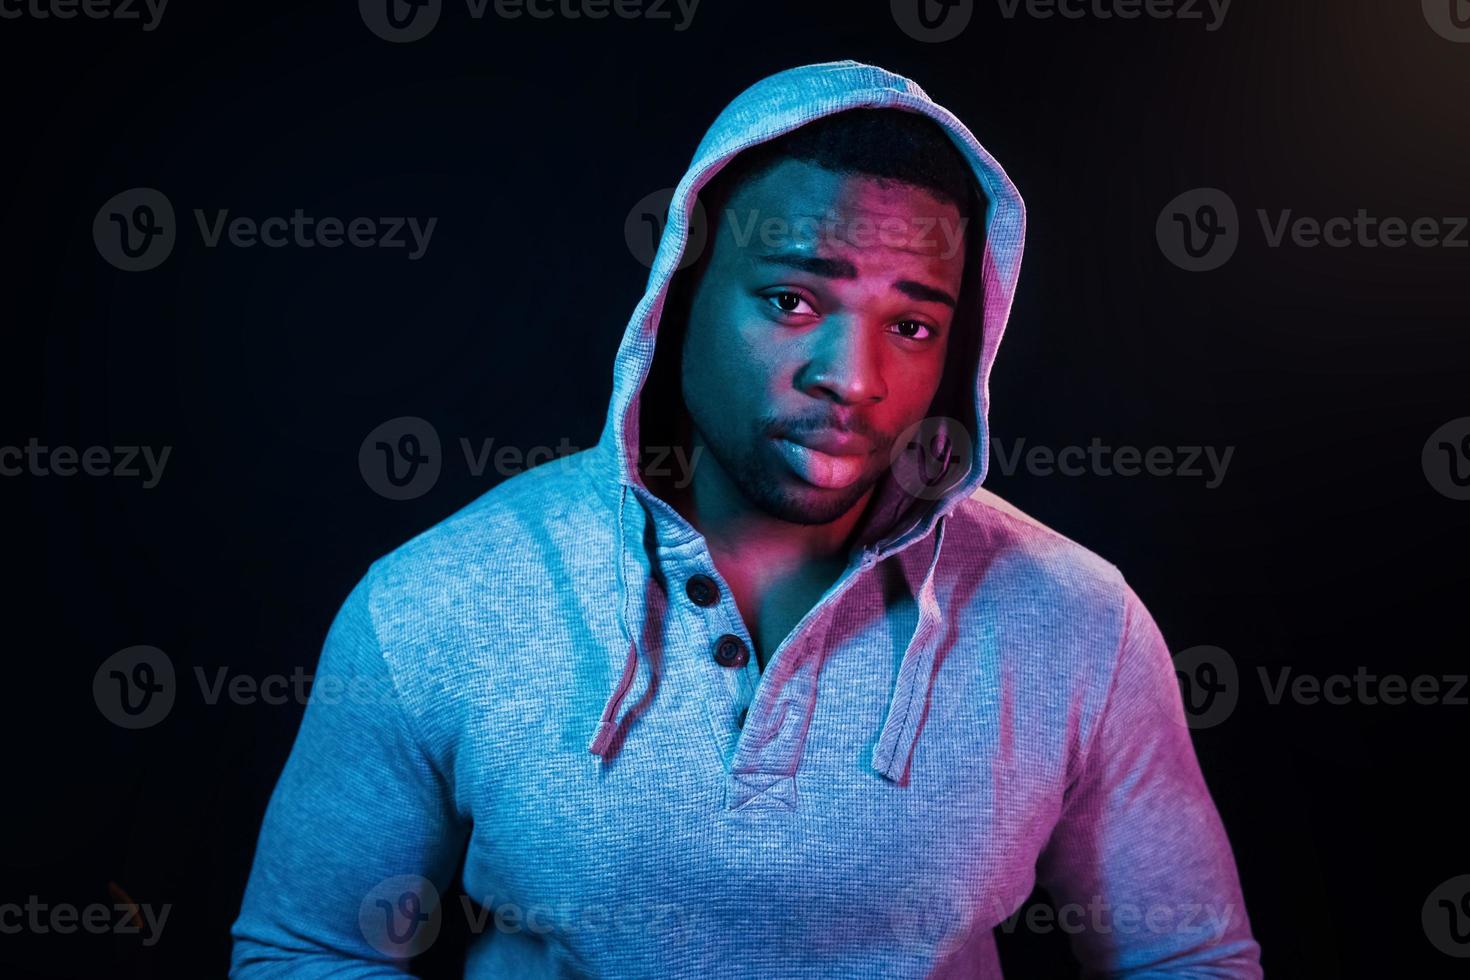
x=845, y=708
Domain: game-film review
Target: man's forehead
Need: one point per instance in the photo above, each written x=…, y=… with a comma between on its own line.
x=801, y=207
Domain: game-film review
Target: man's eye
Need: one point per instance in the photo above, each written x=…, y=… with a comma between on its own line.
x=789, y=302
x=914, y=329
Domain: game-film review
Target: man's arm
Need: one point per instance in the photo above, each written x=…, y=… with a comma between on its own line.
x=1139, y=865
x=358, y=805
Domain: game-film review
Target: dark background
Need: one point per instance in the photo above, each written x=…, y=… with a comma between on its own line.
x=1326, y=548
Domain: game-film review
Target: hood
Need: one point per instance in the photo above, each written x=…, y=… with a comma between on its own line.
x=939, y=466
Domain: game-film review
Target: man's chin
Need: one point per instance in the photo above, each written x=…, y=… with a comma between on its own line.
x=793, y=500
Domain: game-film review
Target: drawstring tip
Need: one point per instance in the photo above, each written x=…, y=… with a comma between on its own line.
x=886, y=771
x=600, y=740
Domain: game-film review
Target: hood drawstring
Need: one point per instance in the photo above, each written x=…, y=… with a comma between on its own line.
x=607, y=724
x=900, y=731
x=915, y=677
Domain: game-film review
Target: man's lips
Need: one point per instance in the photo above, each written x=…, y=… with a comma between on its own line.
x=828, y=459
x=833, y=443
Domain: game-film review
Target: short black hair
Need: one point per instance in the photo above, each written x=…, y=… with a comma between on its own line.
x=884, y=143
x=889, y=144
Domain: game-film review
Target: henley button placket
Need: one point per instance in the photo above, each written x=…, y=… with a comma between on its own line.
x=702, y=590
x=730, y=651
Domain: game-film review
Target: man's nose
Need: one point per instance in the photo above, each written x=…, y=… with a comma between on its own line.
x=843, y=363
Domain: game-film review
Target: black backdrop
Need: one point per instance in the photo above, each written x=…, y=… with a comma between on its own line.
x=1332, y=545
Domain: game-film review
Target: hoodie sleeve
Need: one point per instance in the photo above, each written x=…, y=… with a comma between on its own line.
x=1139, y=867
x=359, y=819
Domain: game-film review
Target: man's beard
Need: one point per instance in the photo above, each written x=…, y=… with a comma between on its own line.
x=789, y=499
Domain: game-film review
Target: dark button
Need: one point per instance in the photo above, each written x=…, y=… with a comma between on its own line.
x=702, y=590
x=730, y=651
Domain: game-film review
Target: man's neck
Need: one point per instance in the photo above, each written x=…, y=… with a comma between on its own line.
x=776, y=569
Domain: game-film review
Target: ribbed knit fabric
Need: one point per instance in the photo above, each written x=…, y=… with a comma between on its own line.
x=978, y=704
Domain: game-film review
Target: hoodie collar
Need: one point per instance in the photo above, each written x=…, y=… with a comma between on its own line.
x=912, y=506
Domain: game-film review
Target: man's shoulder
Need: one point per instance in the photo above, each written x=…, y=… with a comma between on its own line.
x=549, y=513
x=997, y=533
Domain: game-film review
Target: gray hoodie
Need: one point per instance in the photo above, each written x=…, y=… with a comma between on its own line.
x=977, y=705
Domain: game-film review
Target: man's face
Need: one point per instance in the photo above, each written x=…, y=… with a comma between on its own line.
x=817, y=333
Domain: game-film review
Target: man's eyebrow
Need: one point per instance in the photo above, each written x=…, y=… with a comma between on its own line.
x=926, y=293
x=842, y=269
x=826, y=268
